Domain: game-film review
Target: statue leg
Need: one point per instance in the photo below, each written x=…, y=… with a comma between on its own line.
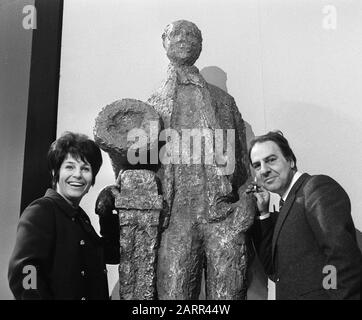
x=138, y=243
x=145, y=257
x=126, y=270
x=180, y=262
x=226, y=263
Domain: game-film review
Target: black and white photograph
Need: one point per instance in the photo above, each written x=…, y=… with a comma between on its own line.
x=180, y=150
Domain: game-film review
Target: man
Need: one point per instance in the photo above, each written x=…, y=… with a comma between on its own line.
x=309, y=248
x=206, y=227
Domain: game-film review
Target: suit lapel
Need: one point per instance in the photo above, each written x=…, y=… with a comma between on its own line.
x=286, y=209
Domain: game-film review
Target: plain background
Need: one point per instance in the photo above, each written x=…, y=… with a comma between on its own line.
x=15, y=53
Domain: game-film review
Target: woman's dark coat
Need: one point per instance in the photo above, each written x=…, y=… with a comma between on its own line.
x=59, y=243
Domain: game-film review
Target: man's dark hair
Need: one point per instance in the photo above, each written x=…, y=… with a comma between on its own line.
x=79, y=146
x=280, y=140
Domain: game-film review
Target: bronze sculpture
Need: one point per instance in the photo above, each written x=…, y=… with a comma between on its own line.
x=202, y=168
x=207, y=223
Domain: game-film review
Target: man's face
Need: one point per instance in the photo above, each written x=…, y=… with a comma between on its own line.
x=272, y=169
x=182, y=44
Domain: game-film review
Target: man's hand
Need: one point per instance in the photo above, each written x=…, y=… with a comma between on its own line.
x=261, y=195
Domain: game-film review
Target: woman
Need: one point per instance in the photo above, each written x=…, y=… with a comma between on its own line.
x=58, y=254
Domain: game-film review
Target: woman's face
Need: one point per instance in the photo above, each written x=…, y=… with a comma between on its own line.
x=75, y=179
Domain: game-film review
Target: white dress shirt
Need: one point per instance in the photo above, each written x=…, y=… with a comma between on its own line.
x=295, y=178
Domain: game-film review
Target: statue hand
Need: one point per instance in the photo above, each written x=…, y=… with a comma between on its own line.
x=244, y=209
x=221, y=209
x=243, y=219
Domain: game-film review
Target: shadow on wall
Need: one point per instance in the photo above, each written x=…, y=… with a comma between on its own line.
x=256, y=277
x=215, y=76
x=218, y=77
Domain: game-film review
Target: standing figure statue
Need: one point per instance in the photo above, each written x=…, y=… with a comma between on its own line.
x=203, y=180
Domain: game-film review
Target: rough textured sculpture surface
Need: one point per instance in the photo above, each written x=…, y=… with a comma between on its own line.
x=199, y=222
x=114, y=124
x=208, y=212
x=135, y=196
x=139, y=206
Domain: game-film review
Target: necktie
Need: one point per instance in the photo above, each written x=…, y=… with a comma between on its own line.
x=281, y=203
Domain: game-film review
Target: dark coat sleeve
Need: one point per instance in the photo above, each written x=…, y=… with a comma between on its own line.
x=109, y=223
x=33, y=248
x=109, y=230
x=328, y=211
x=262, y=235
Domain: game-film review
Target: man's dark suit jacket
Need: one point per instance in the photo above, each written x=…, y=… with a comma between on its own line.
x=313, y=231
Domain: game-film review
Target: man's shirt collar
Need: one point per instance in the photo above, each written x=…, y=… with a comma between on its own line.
x=295, y=178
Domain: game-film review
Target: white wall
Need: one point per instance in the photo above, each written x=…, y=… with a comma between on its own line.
x=283, y=68
x=15, y=52
x=312, y=90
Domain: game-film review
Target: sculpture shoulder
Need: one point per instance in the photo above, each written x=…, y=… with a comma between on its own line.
x=155, y=97
x=220, y=95
x=161, y=94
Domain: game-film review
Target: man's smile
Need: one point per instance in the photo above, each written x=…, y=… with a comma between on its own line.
x=269, y=180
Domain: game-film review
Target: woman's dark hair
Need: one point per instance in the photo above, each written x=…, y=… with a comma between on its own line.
x=278, y=138
x=78, y=146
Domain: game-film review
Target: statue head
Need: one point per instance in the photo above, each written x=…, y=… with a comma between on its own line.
x=182, y=41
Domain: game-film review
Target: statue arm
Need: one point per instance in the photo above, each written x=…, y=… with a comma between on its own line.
x=242, y=169
x=223, y=206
